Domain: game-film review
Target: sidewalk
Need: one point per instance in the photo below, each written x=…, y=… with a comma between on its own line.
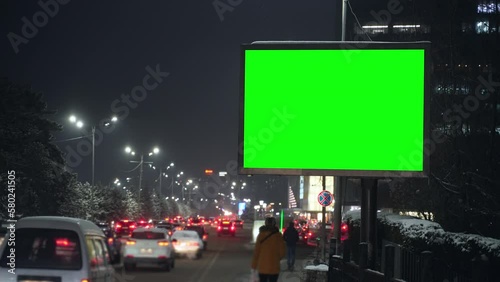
x=304, y=257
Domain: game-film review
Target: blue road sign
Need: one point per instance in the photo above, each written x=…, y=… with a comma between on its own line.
x=325, y=198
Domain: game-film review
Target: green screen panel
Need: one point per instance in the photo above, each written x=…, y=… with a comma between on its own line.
x=333, y=110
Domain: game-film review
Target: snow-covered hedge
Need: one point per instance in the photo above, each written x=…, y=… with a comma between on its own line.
x=423, y=235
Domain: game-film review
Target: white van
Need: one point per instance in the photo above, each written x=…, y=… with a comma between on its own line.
x=50, y=248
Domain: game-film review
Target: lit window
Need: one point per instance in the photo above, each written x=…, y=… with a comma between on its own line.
x=482, y=27
x=487, y=8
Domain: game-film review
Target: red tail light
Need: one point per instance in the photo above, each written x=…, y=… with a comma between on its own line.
x=132, y=226
x=62, y=242
x=344, y=227
x=232, y=227
x=118, y=226
x=205, y=237
x=309, y=234
x=218, y=227
x=162, y=257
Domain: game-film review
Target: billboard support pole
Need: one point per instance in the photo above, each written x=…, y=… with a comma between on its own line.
x=372, y=229
x=337, y=210
x=369, y=217
x=323, y=224
x=340, y=181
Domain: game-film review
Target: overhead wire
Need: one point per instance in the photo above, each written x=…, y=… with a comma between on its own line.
x=357, y=20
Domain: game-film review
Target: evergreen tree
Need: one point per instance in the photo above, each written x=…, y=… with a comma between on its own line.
x=27, y=148
x=132, y=205
x=155, y=205
x=114, y=204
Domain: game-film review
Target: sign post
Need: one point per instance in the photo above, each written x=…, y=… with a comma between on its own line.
x=325, y=199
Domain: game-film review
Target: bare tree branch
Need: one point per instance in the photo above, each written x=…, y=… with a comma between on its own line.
x=444, y=183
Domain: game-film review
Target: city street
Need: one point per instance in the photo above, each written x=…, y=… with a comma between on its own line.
x=227, y=259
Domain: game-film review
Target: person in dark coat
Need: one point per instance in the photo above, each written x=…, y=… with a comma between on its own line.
x=291, y=237
x=269, y=250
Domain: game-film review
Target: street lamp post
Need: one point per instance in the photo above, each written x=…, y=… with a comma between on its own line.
x=182, y=187
x=172, y=186
x=161, y=175
x=128, y=150
x=79, y=124
x=140, y=176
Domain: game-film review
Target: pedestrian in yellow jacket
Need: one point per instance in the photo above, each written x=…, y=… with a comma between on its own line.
x=269, y=250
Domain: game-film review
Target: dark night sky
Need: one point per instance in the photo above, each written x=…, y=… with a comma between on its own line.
x=92, y=51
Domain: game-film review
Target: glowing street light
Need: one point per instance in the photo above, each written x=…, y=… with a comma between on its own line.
x=129, y=150
x=73, y=119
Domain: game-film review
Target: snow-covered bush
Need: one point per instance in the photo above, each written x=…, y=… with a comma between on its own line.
x=457, y=249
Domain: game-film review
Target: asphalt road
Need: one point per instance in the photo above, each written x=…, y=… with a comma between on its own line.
x=226, y=260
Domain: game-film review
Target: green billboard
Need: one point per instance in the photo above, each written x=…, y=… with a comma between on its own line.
x=334, y=108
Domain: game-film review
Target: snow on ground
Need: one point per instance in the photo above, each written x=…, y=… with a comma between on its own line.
x=320, y=267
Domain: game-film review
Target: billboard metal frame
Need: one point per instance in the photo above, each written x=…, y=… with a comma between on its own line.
x=347, y=46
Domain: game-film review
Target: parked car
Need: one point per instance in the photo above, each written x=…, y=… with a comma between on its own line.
x=187, y=243
x=149, y=246
x=51, y=248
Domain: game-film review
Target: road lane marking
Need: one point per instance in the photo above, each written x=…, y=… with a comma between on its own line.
x=204, y=274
